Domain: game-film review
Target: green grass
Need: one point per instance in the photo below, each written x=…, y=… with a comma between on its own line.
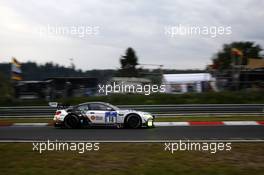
x=126, y=158
x=210, y=118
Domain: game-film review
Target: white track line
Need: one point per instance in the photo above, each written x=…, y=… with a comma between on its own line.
x=171, y=124
x=30, y=124
x=240, y=123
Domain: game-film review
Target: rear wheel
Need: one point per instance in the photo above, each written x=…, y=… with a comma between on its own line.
x=71, y=122
x=133, y=121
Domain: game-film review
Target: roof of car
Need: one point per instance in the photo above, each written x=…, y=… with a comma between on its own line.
x=94, y=102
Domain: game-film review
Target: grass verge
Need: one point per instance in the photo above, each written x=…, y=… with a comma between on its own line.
x=128, y=158
x=210, y=118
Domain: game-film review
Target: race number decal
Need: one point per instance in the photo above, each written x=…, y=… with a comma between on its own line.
x=110, y=117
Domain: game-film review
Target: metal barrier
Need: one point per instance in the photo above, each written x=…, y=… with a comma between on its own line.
x=25, y=111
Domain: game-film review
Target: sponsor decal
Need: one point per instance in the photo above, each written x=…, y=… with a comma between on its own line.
x=93, y=117
x=111, y=117
x=98, y=118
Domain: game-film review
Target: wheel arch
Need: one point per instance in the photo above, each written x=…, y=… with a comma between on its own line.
x=70, y=114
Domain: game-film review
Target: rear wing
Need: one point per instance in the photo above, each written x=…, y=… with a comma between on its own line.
x=59, y=105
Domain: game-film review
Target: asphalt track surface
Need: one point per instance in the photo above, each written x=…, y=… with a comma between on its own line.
x=44, y=133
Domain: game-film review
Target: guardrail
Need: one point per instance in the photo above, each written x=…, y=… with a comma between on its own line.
x=247, y=109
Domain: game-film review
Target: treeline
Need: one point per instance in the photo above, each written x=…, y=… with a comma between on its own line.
x=34, y=71
x=6, y=90
x=238, y=97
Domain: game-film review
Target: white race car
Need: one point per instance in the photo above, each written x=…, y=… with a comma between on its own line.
x=100, y=113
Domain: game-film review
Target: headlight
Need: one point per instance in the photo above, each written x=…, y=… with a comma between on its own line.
x=150, y=123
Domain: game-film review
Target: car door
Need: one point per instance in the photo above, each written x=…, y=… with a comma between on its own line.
x=101, y=114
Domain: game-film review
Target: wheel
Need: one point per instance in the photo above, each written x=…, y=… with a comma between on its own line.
x=133, y=121
x=71, y=122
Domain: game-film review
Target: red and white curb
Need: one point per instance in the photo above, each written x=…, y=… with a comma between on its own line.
x=160, y=124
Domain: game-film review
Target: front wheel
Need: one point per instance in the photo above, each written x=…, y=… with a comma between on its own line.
x=71, y=122
x=133, y=121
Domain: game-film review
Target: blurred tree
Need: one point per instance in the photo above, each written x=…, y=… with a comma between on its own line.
x=5, y=89
x=128, y=64
x=223, y=59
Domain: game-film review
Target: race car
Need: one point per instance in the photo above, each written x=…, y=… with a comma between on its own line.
x=99, y=114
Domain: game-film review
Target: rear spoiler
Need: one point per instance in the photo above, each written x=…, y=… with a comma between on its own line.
x=59, y=105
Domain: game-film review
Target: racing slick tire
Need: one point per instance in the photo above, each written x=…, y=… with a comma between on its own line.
x=133, y=121
x=71, y=122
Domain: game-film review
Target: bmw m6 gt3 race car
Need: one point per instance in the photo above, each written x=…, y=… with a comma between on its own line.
x=99, y=113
